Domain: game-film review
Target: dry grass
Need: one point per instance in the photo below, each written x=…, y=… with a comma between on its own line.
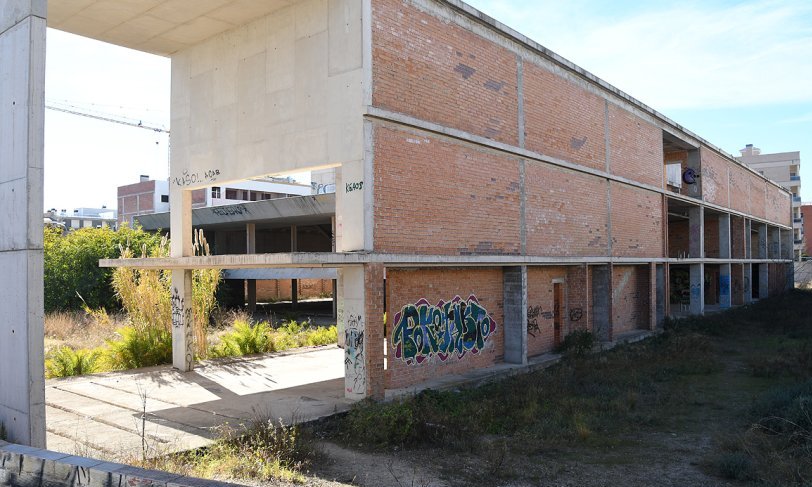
x=78, y=330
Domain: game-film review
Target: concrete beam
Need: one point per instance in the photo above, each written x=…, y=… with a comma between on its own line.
x=22, y=87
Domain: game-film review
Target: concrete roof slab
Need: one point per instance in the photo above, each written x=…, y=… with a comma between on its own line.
x=160, y=27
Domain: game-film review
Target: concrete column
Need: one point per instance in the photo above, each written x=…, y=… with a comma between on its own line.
x=725, y=297
x=515, y=310
x=339, y=306
x=763, y=281
x=294, y=283
x=748, y=244
x=697, y=306
x=22, y=87
x=696, y=232
x=362, y=310
x=747, y=283
x=183, y=350
x=602, y=302
x=662, y=295
x=775, y=243
x=762, y=241
x=725, y=251
x=251, y=248
x=335, y=282
x=180, y=221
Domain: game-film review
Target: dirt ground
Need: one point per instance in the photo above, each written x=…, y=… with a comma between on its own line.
x=672, y=455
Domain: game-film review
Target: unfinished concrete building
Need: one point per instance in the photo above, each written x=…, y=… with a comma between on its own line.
x=491, y=196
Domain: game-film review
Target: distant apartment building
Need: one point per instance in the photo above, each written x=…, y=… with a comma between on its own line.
x=150, y=196
x=785, y=169
x=81, y=218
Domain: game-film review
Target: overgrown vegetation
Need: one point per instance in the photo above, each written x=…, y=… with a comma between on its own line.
x=745, y=374
x=267, y=449
x=67, y=362
x=248, y=339
x=585, y=398
x=72, y=264
x=578, y=342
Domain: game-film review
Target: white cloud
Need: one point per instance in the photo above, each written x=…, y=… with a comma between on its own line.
x=688, y=55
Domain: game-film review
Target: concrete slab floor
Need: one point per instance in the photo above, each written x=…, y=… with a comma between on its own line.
x=100, y=415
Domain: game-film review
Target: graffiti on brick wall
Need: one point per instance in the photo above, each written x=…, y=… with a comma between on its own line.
x=533, y=313
x=354, y=367
x=449, y=329
x=576, y=314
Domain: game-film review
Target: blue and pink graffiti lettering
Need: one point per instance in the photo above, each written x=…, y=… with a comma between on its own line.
x=453, y=328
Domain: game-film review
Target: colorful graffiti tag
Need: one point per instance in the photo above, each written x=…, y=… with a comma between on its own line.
x=451, y=328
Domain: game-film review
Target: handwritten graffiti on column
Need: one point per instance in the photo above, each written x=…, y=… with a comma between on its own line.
x=423, y=331
x=354, y=367
x=182, y=317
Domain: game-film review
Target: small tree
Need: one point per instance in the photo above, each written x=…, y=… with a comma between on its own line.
x=72, y=264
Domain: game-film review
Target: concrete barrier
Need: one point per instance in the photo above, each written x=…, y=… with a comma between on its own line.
x=27, y=466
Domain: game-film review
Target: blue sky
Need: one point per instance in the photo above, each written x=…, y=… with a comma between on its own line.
x=733, y=72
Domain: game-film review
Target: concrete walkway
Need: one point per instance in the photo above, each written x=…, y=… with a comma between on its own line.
x=100, y=415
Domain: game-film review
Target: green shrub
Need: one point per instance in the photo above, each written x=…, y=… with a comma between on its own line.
x=578, y=343
x=320, y=336
x=72, y=264
x=67, y=362
x=246, y=339
x=140, y=347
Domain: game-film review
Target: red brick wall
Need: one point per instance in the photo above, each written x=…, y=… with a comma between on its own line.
x=714, y=177
x=739, y=188
x=437, y=71
x=280, y=289
x=405, y=287
x=135, y=199
x=737, y=249
x=806, y=212
x=563, y=120
x=128, y=205
x=636, y=148
x=779, y=206
x=630, y=298
x=711, y=236
x=757, y=196
x=199, y=197
x=540, y=304
x=777, y=278
x=737, y=284
x=565, y=212
x=579, y=288
x=439, y=197
x=637, y=222
x=678, y=238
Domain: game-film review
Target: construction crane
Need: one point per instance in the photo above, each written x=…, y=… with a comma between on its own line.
x=105, y=117
x=74, y=110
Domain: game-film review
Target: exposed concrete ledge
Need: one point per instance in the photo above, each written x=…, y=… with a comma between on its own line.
x=27, y=466
x=344, y=259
